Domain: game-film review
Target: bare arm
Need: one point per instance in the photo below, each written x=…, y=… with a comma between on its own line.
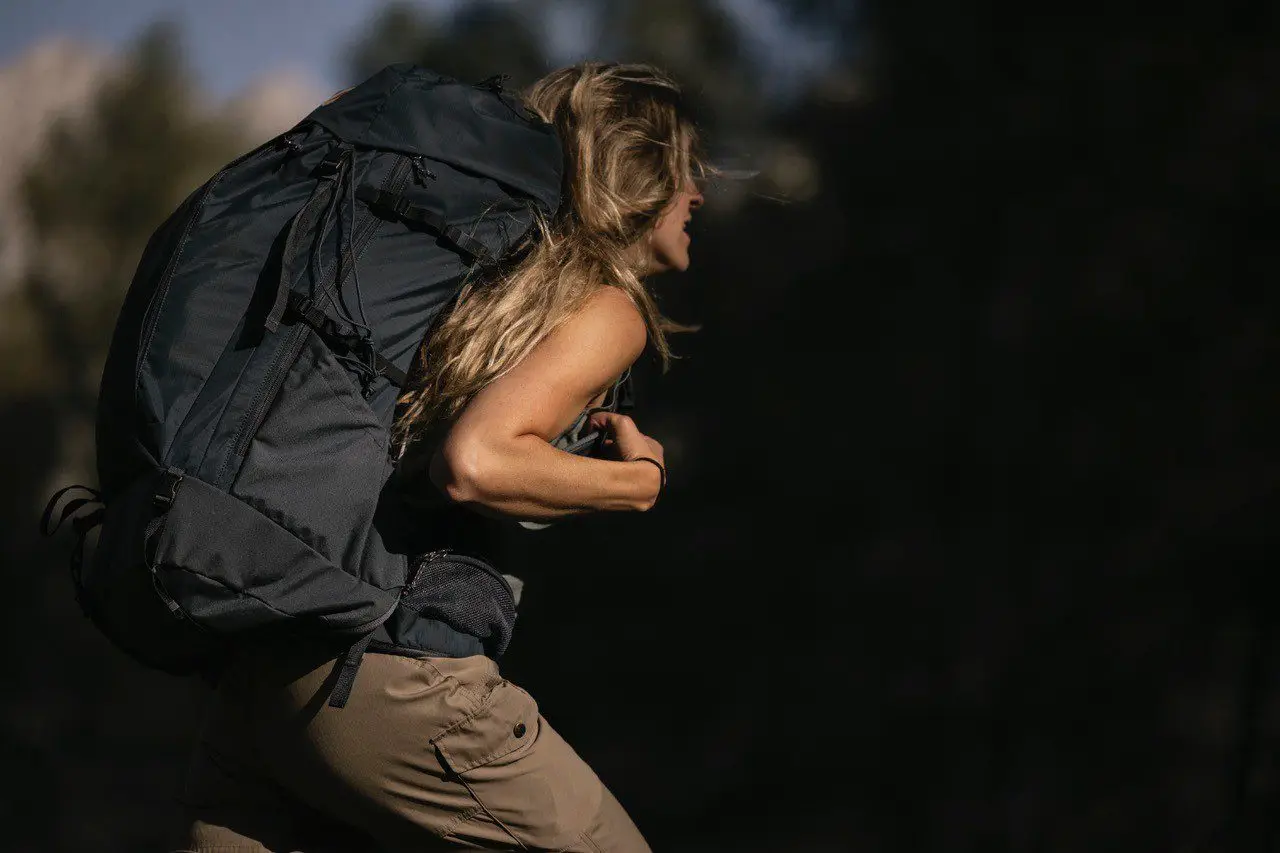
x=497, y=456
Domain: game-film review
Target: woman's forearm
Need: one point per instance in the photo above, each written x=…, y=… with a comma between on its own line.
x=526, y=477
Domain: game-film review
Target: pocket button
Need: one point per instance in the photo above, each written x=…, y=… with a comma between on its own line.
x=519, y=730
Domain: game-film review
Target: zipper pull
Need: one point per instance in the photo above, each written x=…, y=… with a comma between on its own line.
x=420, y=171
x=417, y=564
x=284, y=142
x=495, y=83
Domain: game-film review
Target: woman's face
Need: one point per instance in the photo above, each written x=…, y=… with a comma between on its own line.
x=669, y=241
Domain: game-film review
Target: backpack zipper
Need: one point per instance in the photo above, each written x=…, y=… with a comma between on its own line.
x=156, y=305
x=420, y=170
x=164, y=503
x=495, y=83
x=449, y=555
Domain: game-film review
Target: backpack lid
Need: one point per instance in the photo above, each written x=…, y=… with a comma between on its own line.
x=415, y=111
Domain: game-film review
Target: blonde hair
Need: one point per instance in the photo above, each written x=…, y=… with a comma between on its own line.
x=629, y=149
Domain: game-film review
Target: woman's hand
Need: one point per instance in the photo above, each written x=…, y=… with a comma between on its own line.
x=624, y=438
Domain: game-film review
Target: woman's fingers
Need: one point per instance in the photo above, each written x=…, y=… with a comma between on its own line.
x=613, y=422
x=626, y=436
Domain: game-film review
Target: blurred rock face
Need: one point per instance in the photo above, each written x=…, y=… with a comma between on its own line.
x=272, y=105
x=57, y=81
x=51, y=82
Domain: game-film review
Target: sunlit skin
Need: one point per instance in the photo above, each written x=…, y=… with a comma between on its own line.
x=669, y=240
x=497, y=457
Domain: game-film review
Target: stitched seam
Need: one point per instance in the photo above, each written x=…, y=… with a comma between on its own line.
x=496, y=754
x=171, y=269
x=458, y=820
x=590, y=842
x=463, y=720
x=491, y=815
x=427, y=665
x=472, y=700
x=239, y=593
x=478, y=704
x=216, y=179
x=385, y=101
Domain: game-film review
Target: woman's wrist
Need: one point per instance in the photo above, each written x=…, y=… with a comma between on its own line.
x=661, y=476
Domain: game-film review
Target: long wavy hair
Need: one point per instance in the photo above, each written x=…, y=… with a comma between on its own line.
x=629, y=148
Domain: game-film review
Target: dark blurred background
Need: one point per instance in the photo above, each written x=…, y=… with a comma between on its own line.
x=970, y=528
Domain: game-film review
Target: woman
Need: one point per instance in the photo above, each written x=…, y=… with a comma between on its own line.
x=442, y=750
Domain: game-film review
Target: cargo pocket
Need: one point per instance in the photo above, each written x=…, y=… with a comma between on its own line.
x=503, y=728
x=524, y=781
x=479, y=750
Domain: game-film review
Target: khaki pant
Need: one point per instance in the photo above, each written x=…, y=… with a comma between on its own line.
x=428, y=754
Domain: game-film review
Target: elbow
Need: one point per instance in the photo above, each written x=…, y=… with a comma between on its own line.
x=460, y=470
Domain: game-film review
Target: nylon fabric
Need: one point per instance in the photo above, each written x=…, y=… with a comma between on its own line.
x=206, y=297
x=438, y=117
x=319, y=458
x=237, y=588
x=281, y=439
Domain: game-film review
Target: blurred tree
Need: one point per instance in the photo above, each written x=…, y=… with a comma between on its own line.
x=839, y=19
x=79, y=711
x=698, y=41
x=476, y=42
x=93, y=198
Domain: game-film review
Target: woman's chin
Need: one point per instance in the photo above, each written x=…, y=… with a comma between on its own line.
x=675, y=261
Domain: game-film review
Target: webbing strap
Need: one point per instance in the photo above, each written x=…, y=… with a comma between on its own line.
x=418, y=215
x=349, y=667
x=341, y=335
x=81, y=524
x=68, y=510
x=302, y=226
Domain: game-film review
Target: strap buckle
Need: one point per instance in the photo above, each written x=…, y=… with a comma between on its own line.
x=168, y=491
x=332, y=162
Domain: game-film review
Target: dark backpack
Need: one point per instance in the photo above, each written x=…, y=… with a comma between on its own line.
x=245, y=406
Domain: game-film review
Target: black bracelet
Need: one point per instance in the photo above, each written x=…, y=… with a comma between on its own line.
x=662, y=470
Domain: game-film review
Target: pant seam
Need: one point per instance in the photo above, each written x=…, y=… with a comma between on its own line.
x=457, y=821
x=486, y=810
x=590, y=842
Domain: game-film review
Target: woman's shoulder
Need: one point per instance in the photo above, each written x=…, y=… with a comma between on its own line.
x=614, y=304
x=608, y=315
